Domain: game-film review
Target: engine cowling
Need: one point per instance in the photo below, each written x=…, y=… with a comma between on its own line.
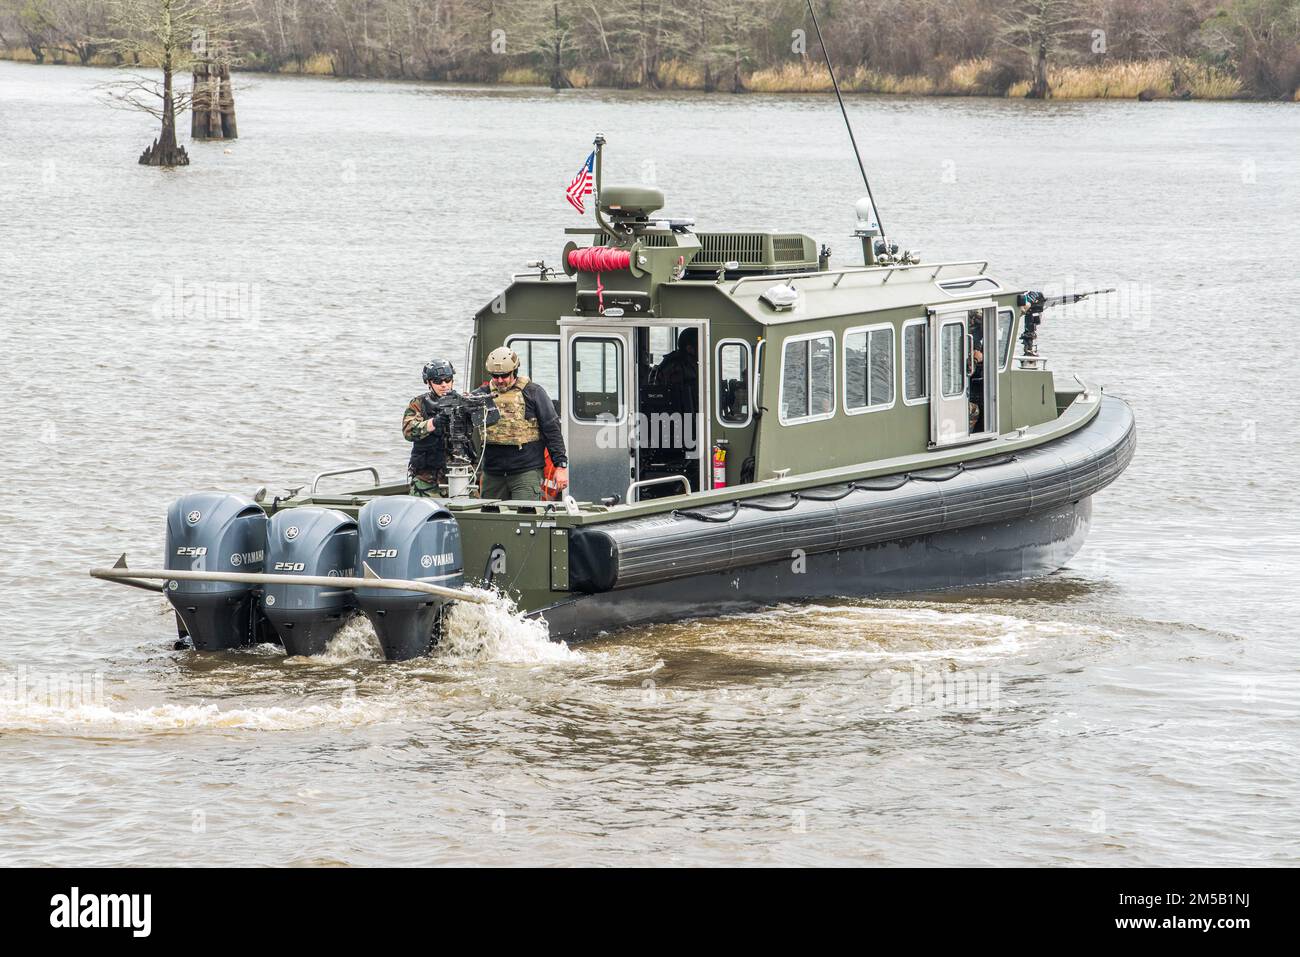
x=311, y=542
x=215, y=532
x=411, y=538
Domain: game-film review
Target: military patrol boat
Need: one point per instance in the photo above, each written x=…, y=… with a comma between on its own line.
x=815, y=432
x=843, y=431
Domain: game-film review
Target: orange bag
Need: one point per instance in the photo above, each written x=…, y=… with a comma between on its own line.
x=550, y=487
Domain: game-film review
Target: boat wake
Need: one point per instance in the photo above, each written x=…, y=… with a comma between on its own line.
x=341, y=688
x=494, y=631
x=355, y=641
x=32, y=716
x=889, y=635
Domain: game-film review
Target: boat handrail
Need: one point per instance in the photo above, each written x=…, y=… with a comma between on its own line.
x=856, y=270
x=348, y=471
x=637, y=486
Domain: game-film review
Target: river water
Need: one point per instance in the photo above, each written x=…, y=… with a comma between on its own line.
x=1138, y=707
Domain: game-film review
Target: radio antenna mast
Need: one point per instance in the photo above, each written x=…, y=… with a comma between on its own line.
x=852, y=139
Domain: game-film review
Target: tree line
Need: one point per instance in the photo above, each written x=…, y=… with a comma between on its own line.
x=723, y=45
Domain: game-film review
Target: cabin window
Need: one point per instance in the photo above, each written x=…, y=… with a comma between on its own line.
x=1006, y=322
x=916, y=385
x=663, y=340
x=869, y=369
x=597, y=379
x=807, y=378
x=539, y=359
x=733, y=386
x=952, y=355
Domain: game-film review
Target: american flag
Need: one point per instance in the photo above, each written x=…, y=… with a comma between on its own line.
x=581, y=185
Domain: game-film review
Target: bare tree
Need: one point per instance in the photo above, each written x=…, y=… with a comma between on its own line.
x=66, y=26
x=1263, y=38
x=163, y=34
x=1039, y=28
x=637, y=42
x=737, y=22
x=554, y=48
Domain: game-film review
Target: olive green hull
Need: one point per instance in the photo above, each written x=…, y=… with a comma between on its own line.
x=1013, y=517
x=1026, y=548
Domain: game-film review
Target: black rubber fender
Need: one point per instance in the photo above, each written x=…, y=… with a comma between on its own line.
x=660, y=548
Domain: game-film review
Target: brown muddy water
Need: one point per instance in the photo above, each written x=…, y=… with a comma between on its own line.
x=1138, y=707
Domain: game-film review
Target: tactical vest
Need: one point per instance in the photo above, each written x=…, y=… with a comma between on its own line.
x=429, y=454
x=512, y=428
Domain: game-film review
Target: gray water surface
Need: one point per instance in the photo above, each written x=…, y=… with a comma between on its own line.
x=1138, y=707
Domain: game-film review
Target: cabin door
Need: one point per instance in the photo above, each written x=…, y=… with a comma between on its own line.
x=672, y=437
x=952, y=347
x=597, y=379
x=949, y=407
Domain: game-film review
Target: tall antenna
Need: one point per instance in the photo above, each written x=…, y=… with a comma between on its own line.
x=848, y=125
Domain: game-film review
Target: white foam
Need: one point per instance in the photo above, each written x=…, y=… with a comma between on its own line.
x=93, y=718
x=355, y=641
x=496, y=631
x=493, y=631
x=883, y=634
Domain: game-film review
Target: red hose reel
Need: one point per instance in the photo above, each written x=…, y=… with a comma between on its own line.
x=599, y=259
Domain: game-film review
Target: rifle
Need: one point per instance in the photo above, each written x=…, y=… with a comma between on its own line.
x=460, y=419
x=1032, y=305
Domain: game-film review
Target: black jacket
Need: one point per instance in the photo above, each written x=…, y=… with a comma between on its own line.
x=429, y=454
x=509, y=459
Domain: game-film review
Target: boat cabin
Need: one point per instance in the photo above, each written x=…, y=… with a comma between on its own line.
x=682, y=360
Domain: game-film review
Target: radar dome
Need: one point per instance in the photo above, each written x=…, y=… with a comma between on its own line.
x=631, y=202
x=866, y=213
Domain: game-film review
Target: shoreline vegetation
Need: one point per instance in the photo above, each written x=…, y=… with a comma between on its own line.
x=1035, y=49
x=1181, y=79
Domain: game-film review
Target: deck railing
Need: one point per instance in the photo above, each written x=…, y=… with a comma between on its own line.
x=885, y=271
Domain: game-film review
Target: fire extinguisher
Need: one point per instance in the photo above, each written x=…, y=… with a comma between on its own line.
x=719, y=464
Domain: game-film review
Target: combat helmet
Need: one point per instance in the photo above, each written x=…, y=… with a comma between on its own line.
x=439, y=369
x=503, y=360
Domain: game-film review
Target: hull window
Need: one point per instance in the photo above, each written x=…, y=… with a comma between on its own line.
x=807, y=378
x=869, y=369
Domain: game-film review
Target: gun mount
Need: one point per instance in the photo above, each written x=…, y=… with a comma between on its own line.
x=460, y=419
x=1032, y=305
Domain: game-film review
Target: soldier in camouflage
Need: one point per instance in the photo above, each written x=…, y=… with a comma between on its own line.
x=428, y=466
x=516, y=444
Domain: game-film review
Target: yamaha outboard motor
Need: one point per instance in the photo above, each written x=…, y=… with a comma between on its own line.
x=215, y=532
x=309, y=541
x=412, y=538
